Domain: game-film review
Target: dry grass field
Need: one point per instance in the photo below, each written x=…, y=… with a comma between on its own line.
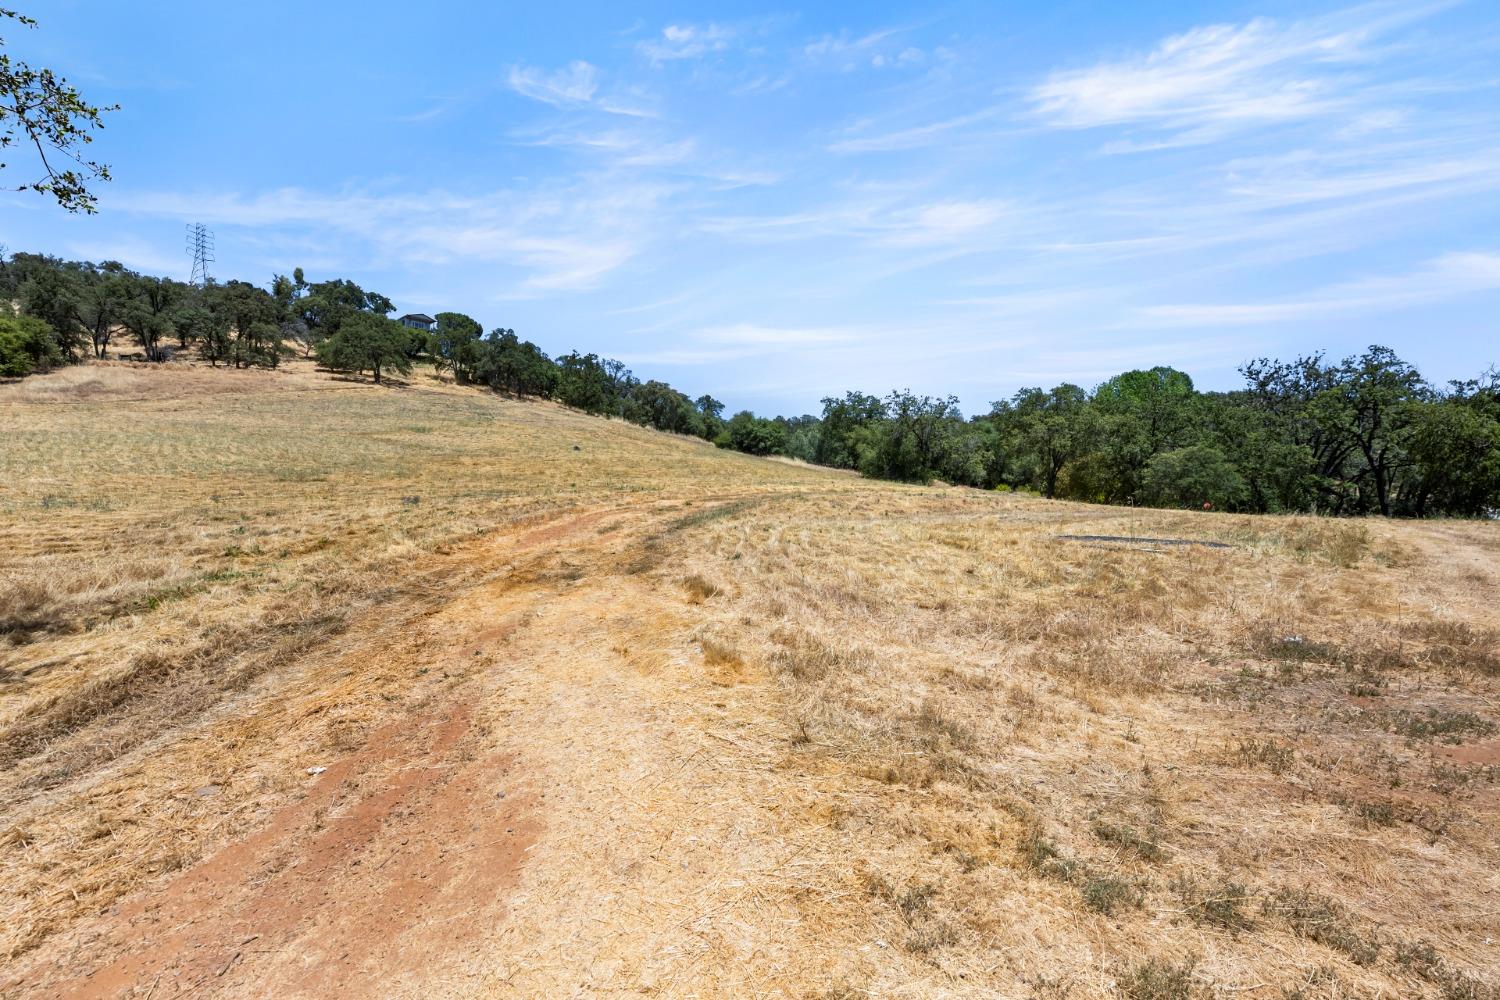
x=311, y=688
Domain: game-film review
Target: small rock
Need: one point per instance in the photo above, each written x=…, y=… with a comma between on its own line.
x=316, y=770
x=576, y=448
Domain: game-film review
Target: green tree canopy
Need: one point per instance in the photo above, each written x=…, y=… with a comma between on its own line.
x=40, y=109
x=27, y=345
x=366, y=342
x=251, y=317
x=754, y=435
x=454, y=345
x=1196, y=476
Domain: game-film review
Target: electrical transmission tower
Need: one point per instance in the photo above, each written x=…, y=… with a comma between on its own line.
x=200, y=244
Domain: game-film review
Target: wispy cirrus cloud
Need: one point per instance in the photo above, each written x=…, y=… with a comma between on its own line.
x=881, y=49
x=1444, y=277
x=1304, y=176
x=687, y=41
x=623, y=147
x=917, y=136
x=1221, y=78
x=134, y=252
x=945, y=222
x=894, y=220
x=556, y=237
x=757, y=335
x=574, y=84
x=741, y=341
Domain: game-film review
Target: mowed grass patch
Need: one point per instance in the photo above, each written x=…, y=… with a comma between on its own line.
x=972, y=678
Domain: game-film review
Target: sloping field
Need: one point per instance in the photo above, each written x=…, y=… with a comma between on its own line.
x=309, y=688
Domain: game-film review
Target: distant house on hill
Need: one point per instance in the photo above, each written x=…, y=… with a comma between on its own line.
x=419, y=321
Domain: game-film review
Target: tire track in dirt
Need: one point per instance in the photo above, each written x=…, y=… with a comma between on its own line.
x=336, y=888
x=396, y=858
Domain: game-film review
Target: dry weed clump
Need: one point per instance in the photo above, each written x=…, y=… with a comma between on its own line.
x=1219, y=903
x=1159, y=979
x=26, y=608
x=1268, y=752
x=1319, y=918
x=1436, y=723
x=1128, y=840
x=700, y=589
x=1338, y=542
x=806, y=658
x=1458, y=646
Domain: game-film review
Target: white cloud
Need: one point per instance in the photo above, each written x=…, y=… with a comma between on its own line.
x=1448, y=276
x=574, y=84
x=741, y=341
x=135, y=253
x=429, y=114
x=912, y=138
x=876, y=49
x=687, y=41
x=624, y=147
x=562, y=237
x=685, y=356
x=752, y=334
x=945, y=222
x=1219, y=78
x=1219, y=74
x=909, y=56
x=891, y=221
x=567, y=262
x=1306, y=176
x=842, y=44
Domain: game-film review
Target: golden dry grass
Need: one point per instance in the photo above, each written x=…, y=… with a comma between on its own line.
x=770, y=731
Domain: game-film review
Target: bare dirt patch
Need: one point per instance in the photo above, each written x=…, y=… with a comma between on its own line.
x=394, y=856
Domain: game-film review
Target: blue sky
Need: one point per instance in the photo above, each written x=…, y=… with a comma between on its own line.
x=780, y=203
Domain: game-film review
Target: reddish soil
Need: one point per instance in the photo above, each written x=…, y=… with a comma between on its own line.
x=1485, y=752
x=396, y=857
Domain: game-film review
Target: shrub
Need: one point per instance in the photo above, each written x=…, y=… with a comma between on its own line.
x=1192, y=477
x=1155, y=979
x=755, y=435
x=1107, y=893
x=1221, y=905
x=1323, y=920
x=27, y=345
x=1126, y=838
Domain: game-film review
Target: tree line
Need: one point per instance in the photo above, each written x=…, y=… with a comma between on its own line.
x=1366, y=434
x=1363, y=435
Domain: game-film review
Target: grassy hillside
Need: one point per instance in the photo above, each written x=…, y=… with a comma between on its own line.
x=423, y=692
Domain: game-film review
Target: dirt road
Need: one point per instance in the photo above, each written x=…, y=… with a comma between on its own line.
x=514, y=831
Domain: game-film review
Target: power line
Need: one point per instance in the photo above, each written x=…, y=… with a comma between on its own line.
x=200, y=244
